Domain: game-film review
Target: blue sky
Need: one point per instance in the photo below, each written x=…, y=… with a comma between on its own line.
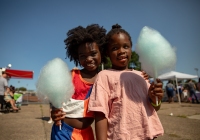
x=32, y=32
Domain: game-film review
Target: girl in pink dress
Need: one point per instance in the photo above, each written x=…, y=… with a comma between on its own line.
x=124, y=103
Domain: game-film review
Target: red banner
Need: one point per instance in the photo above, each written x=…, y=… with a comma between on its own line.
x=19, y=74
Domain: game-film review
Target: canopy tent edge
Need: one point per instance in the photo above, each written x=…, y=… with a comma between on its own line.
x=24, y=74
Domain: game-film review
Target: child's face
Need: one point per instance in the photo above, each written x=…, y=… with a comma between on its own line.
x=89, y=56
x=119, y=51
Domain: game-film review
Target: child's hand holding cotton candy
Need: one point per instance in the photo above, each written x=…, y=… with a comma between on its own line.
x=55, y=82
x=155, y=92
x=57, y=114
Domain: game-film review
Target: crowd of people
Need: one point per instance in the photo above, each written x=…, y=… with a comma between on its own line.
x=185, y=92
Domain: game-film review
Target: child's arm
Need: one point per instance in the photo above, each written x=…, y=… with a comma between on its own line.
x=57, y=114
x=101, y=123
x=156, y=90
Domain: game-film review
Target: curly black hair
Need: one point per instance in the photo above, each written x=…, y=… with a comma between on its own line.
x=79, y=35
x=116, y=29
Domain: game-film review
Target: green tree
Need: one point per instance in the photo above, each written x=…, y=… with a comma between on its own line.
x=21, y=89
x=108, y=64
x=134, y=62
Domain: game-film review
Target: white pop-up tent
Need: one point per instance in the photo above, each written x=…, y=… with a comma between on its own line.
x=176, y=75
x=173, y=75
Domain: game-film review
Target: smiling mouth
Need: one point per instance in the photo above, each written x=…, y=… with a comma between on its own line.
x=122, y=58
x=91, y=65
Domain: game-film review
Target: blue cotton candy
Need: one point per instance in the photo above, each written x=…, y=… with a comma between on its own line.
x=55, y=82
x=156, y=54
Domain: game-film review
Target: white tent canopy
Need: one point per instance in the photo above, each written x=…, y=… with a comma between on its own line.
x=176, y=75
x=173, y=75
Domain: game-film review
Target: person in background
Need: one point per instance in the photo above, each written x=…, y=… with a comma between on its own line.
x=180, y=91
x=9, y=97
x=192, y=91
x=185, y=93
x=170, y=91
x=198, y=85
x=3, y=86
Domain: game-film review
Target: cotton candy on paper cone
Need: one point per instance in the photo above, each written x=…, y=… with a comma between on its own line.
x=55, y=82
x=156, y=54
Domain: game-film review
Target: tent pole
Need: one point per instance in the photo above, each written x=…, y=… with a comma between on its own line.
x=178, y=92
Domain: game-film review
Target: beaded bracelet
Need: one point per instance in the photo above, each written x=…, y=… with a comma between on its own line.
x=155, y=104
